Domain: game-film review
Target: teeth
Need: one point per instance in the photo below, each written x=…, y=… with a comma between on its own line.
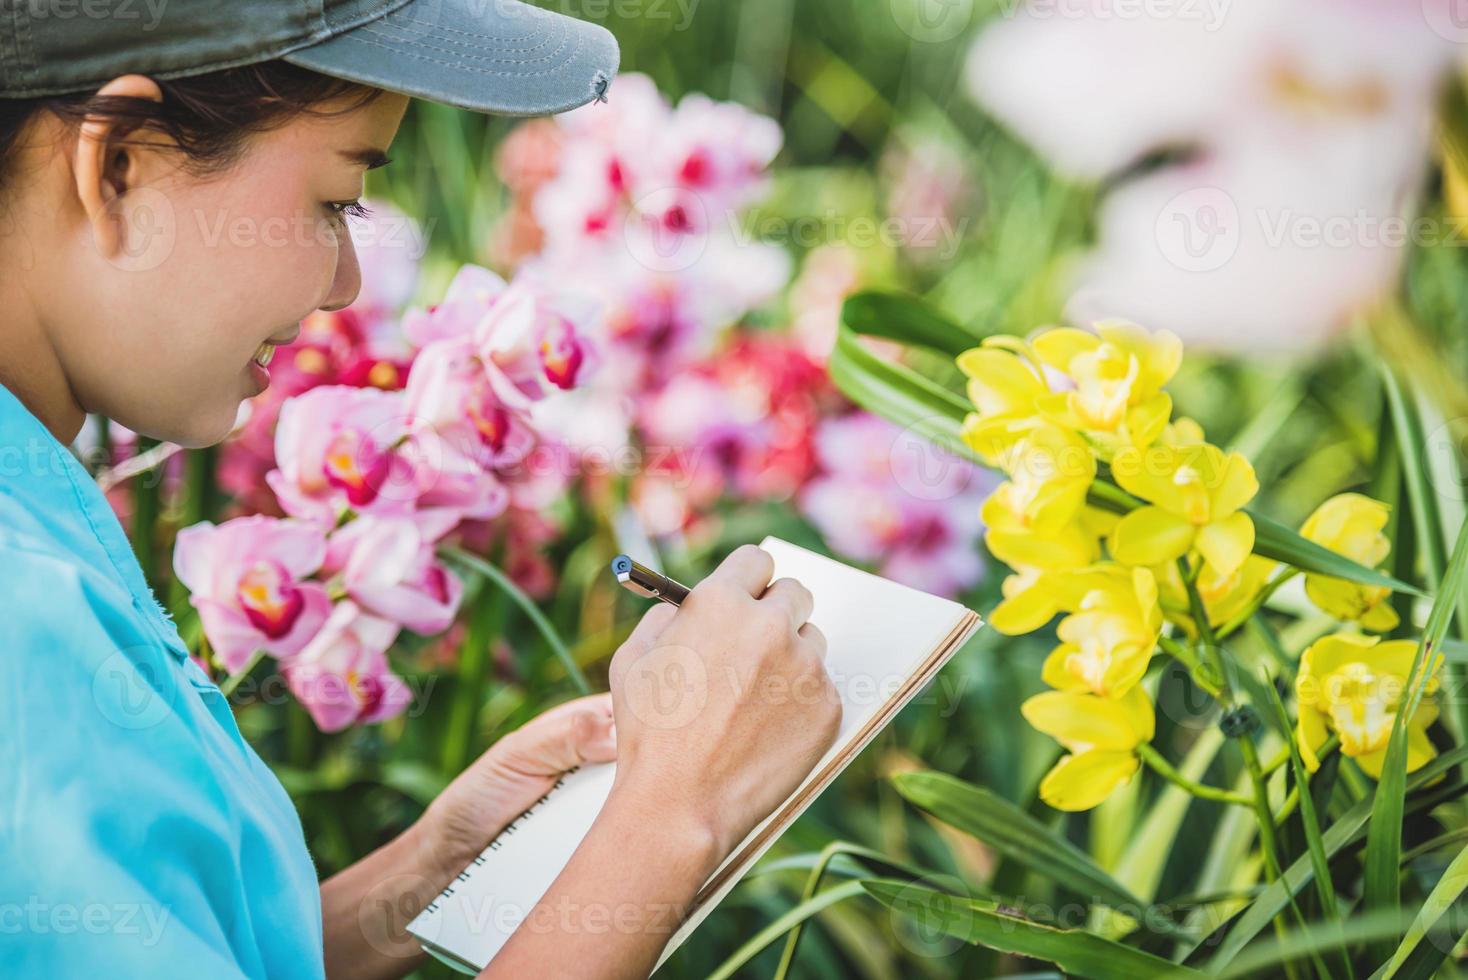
x=264, y=355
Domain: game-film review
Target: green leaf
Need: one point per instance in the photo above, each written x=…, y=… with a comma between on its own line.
x=905, y=319
x=1272, y=540
x=1412, y=444
x=527, y=605
x=1346, y=830
x=784, y=924
x=899, y=394
x=1449, y=888
x=1315, y=846
x=1267, y=958
x=1384, y=840
x=1014, y=833
x=982, y=923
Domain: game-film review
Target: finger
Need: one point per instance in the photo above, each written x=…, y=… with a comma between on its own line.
x=563, y=738
x=811, y=635
x=748, y=568
x=650, y=627
x=793, y=597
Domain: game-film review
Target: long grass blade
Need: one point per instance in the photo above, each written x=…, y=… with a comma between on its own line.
x=1382, y=874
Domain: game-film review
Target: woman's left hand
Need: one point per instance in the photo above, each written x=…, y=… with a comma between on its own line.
x=514, y=773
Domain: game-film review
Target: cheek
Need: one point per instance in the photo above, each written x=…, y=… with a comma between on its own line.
x=267, y=262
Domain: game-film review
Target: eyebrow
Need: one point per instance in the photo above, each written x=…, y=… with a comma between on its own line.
x=369, y=157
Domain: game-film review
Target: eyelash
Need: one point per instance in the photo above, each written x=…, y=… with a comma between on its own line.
x=348, y=209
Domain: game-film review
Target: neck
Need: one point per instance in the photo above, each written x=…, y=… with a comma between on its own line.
x=29, y=365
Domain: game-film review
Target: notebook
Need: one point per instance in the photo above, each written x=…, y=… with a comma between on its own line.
x=884, y=643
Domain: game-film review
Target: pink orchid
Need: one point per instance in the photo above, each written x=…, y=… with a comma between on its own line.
x=342, y=677
x=470, y=296
x=389, y=568
x=336, y=450
x=526, y=340
x=890, y=498
x=247, y=579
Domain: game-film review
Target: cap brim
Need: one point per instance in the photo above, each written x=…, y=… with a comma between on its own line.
x=497, y=56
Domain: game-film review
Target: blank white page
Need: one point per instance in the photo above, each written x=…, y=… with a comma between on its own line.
x=884, y=641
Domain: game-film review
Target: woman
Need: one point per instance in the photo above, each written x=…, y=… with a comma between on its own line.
x=172, y=192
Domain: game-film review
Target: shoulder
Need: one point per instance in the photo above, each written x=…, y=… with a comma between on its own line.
x=48, y=591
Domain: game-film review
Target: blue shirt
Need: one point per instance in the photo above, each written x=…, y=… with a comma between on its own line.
x=140, y=835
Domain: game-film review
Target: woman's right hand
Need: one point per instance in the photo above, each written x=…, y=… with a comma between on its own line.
x=723, y=705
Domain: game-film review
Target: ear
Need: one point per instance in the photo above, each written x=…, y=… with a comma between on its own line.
x=105, y=167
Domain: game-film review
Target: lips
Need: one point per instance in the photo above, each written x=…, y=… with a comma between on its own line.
x=266, y=351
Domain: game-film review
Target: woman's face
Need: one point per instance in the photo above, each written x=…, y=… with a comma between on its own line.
x=159, y=328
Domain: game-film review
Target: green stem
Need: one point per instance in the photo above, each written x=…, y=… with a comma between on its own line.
x=473, y=673
x=812, y=884
x=300, y=737
x=1268, y=842
x=1165, y=769
x=1206, y=638
x=1247, y=613
x=1181, y=653
x=527, y=606
x=1260, y=802
x=227, y=686
x=146, y=507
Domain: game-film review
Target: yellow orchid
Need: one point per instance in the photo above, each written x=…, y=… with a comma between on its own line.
x=1224, y=596
x=1005, y=388
x=1351, y=524
x=1044, y=565
x=1050, y=472
x=1118, y=373
x=1108, y=641
x=1181, y=432
x=1353, y=685
x=1101, y=734
x=1194, y=494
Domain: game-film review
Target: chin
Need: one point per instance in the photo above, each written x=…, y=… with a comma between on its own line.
x=207, y=428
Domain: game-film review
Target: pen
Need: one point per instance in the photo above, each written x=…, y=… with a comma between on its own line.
x=638, y=578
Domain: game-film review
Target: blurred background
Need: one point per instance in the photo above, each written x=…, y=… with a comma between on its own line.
x=1280, y=184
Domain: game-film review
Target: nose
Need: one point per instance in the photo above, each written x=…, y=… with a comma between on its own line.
x=347, y=281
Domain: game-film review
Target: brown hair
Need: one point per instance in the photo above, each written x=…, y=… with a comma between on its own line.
x=210, y=117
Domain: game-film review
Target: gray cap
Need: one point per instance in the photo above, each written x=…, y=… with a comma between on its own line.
x=499, y=56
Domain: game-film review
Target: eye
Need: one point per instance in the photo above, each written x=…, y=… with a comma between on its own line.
x=348, y=209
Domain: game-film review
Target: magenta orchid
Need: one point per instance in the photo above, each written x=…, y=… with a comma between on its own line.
x=248, y=580
x=342, y=677
x=335, y=452
x=389, y=567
